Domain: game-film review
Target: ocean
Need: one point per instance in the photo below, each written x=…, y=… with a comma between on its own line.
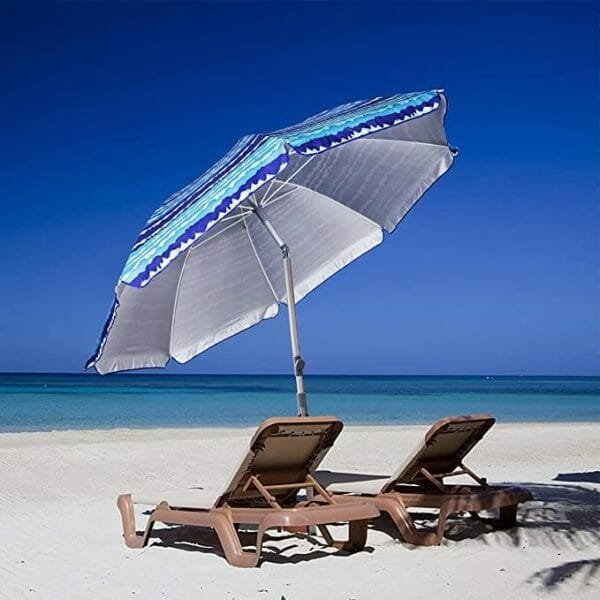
x=44, y=402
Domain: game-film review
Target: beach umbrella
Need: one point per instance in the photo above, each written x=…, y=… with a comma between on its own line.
x=216, y=257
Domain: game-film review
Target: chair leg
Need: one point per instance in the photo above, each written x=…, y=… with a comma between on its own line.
x=401, y=518
x=324, y=530
x=357, y=536
x=130, y=535
x=441, y=527
x=507, y=517
x=230, y=541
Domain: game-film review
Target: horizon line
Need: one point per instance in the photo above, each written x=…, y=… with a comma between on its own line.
x=157, y=373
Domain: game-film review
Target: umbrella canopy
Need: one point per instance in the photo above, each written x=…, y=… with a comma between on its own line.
x=208, y=264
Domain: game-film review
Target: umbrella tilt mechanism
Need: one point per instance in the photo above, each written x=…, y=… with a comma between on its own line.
x=291, y=304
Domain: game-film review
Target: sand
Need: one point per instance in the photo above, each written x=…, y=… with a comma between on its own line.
x=60, y=531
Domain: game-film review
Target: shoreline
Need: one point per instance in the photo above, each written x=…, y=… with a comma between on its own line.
x=181, y=432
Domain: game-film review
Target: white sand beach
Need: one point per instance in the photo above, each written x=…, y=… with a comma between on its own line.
x=60, y=530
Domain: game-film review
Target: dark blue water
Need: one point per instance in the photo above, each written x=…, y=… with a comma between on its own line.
x=46, y=402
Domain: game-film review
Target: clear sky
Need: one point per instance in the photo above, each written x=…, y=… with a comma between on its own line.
x=108, y=108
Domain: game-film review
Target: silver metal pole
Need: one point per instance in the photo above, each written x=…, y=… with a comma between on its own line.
x=291, y=303
x=298, y=362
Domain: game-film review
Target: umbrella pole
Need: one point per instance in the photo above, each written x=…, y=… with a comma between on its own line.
x=291, y=304
x=298, y=362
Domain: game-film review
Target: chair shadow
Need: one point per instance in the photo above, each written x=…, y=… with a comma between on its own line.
x=584, y=477
x=561, y=516
x=326, y=477
x=205, y=541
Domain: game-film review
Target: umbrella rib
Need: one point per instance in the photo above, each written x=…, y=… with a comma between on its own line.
x=203, y=240
x=176, y=300
x=262, y=268
x=269, y=200
x=392, y=140
x=266, y=195
x=242, y=220
x=268, y=189
x=275, y=198
x=303, y=187
x=243, y=211
x=185, y=258
x=304, y=164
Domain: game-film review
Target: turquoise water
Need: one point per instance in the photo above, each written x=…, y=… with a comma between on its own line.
x=47, y=402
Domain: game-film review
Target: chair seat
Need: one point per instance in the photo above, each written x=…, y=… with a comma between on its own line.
x=193, y=497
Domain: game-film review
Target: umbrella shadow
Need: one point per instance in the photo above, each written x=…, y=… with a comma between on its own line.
x=560, y=514
x=552, y=578
x=562, y=517
x=569, y=517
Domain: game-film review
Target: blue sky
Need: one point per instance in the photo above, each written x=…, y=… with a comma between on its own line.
x=108, y=108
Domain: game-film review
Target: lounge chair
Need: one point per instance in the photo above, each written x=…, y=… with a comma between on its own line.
x=280, y=460
x=419, y=482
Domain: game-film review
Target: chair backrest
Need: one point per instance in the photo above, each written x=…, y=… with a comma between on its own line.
x=284, y=450
x=445, y=446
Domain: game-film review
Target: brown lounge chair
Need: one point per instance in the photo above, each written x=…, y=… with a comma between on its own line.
x=419, y=482
x=280, y=460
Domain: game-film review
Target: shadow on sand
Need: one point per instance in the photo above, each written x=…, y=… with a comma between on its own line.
x=550, y=579
x=562, y=517
x=199, y=539
x=585, y=477
x=330, y=477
